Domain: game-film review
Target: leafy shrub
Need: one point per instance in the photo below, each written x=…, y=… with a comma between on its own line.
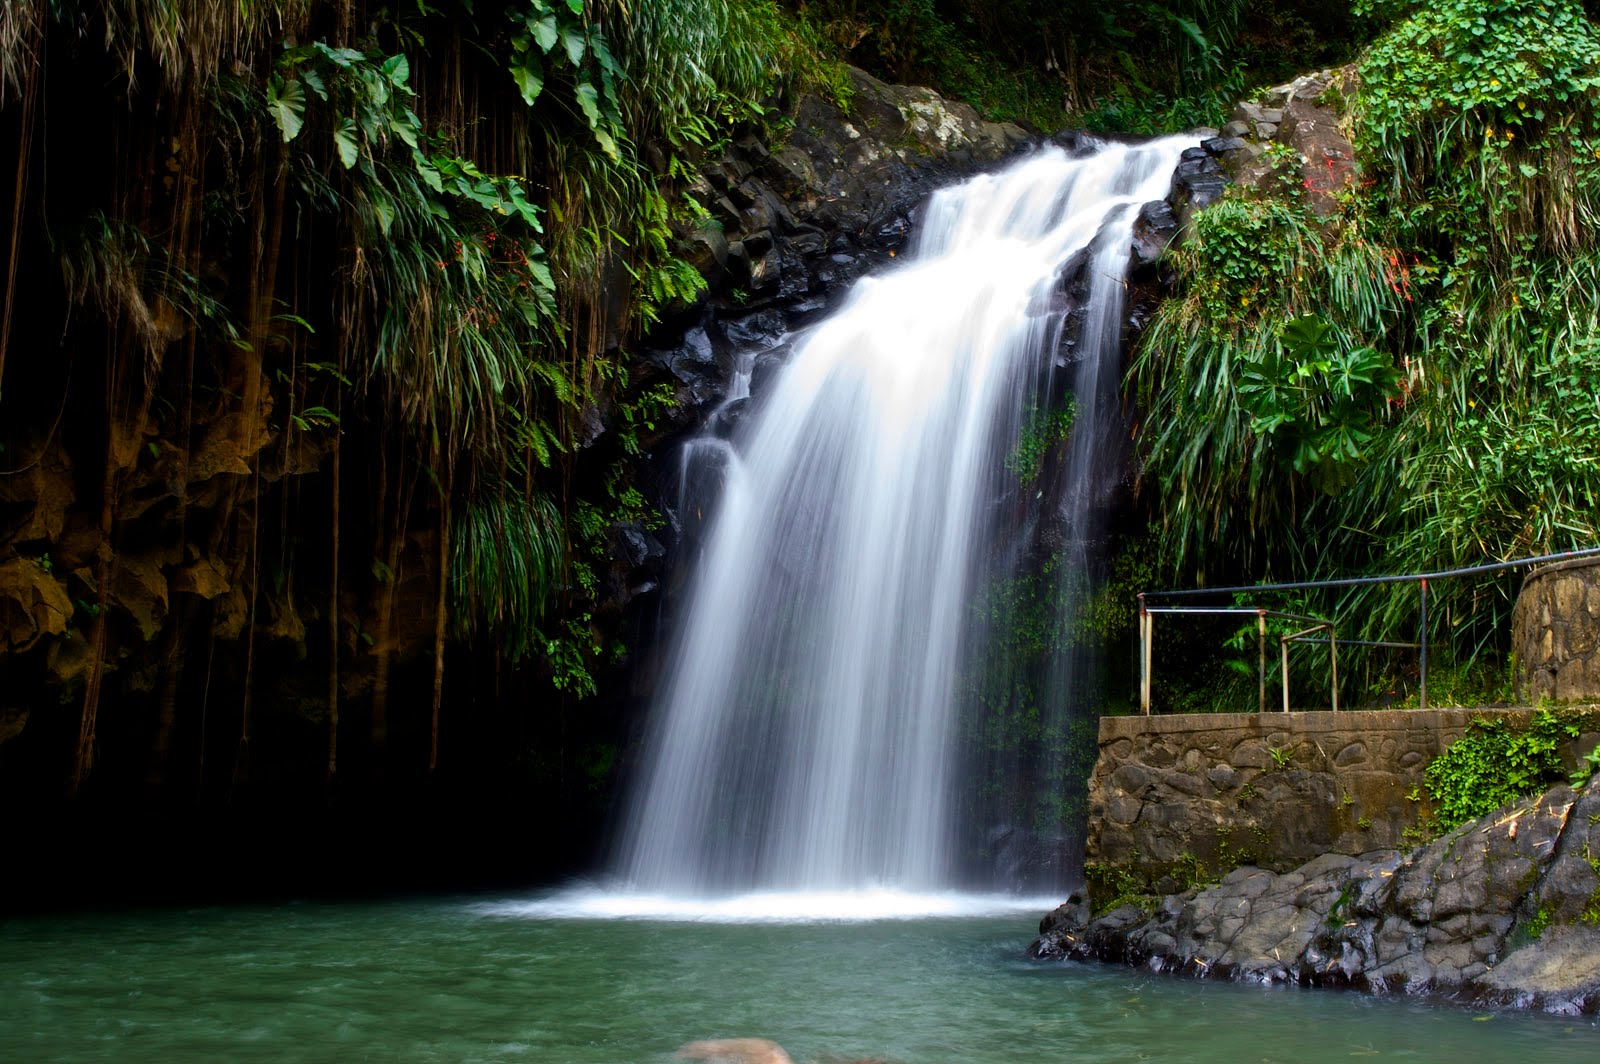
x=1494, y=764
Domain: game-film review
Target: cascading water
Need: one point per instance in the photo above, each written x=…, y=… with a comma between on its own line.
x=808, y=732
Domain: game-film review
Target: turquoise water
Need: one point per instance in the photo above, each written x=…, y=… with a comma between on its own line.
x=470, y=980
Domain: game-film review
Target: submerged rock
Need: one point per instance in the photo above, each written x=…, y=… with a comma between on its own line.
x=735, y=1051
x=751, y=1051
x=1501, y=911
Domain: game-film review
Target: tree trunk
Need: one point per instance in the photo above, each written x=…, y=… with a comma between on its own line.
x=447, y=477
x=30, y=96
x=333, y=610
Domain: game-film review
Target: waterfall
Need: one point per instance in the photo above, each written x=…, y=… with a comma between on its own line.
x=807, y=734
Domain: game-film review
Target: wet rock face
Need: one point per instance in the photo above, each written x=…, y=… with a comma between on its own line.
x=1153, y=232
x=1290, y=134
x=1502, y=911
x=786, y=227
x=1304, y=117
x=1199, y=182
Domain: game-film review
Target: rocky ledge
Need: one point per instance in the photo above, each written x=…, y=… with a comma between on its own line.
x=1503, y=911
x=783, y=228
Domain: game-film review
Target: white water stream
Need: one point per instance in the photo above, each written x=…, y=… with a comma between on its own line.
x=804, y=738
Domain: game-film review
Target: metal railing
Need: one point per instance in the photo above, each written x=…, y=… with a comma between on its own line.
x=1148, y=613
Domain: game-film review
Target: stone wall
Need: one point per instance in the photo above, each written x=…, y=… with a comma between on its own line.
x=1181, y=799
x=1555, y=632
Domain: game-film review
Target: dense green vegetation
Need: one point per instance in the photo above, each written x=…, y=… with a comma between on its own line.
x=1131, y=66
x=408, y=245
x=1411, y=384
x=1495, y=764
x=306, y=310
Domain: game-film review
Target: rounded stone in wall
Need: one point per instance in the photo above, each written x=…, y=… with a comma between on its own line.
x=1251, y=753
x=1353, y=754
x=1554, y=634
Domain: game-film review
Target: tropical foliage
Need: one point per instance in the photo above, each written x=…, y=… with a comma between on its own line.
x=408, y=243
x=1410, y=385
x=1141, y=66
x=1494, y=764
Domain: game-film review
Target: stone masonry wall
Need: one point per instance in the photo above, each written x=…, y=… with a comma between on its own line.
x=1555, y=632
x=1182, y=799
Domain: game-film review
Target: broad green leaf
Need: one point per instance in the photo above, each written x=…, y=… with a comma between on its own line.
x=397, y=69
x=406, y=128
x=345, y=136
x=602, y=51
x=530, y=78
x=286, y=102
x=576, y=6
x=589, y=100
x=429, y=175
x=340, y=56
x=315, y=82
x=572, y=39
x=377, y=87
x=529, y=212
x=1307, y=336
x=541, y=273
x=545, y=33
x=385, y=211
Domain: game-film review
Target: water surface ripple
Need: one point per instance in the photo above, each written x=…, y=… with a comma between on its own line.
x=484, y=980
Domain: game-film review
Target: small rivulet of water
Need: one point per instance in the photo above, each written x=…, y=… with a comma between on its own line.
x=805, y=735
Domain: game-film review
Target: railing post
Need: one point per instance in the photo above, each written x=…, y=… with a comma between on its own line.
x=1422, y=644
x=1145, y=634
x=1261, y=648
x=1284, y=643
x=1333, y=664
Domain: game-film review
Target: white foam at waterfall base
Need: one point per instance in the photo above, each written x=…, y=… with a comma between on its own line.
x=765, y=907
